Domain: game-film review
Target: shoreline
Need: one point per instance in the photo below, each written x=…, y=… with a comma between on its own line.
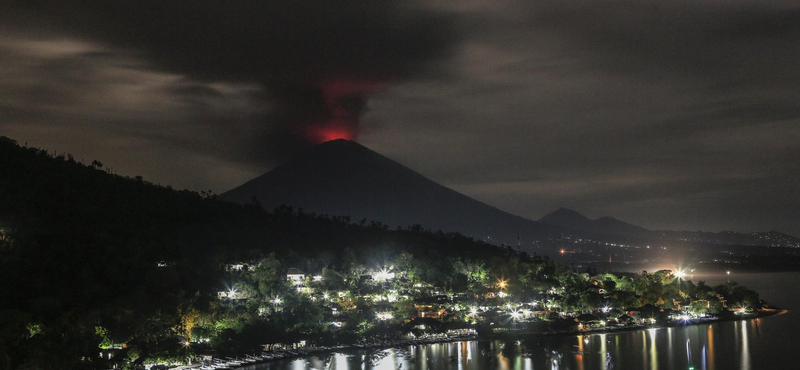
x=416, y=342
x=630, y=328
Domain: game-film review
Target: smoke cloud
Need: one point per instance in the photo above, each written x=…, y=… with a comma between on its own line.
x=318, y=61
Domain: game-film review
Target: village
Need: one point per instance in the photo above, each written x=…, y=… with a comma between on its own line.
x=385, y=307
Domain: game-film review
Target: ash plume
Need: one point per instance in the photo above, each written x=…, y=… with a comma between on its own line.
x=318, y=61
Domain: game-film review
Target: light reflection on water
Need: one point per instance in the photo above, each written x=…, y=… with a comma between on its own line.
x=644, y=349
x=742, y=345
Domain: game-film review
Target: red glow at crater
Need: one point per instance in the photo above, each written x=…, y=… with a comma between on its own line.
x=331, y=130
x=344, y=99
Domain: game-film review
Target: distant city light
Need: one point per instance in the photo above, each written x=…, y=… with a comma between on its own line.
x=562, y=251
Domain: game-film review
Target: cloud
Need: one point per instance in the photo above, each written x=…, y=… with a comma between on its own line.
x=638, y=109
x=680, y=114
x=318, y=61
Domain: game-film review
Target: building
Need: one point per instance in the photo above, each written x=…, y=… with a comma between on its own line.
x=295, y=275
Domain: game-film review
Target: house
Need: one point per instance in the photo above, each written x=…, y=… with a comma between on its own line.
x=295, y=275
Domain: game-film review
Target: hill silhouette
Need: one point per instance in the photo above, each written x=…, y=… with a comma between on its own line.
x=84, y=251
x=573, y=220
x=604, y=225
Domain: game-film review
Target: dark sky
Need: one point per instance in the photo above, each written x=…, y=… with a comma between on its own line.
x=669, y=115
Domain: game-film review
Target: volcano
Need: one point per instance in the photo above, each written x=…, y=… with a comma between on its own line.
x=344, y=178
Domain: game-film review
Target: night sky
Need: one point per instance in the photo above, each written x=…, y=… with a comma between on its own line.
x=666, y=114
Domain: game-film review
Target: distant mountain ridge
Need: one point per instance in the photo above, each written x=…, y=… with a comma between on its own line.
x=603, y=225
x=608, y=225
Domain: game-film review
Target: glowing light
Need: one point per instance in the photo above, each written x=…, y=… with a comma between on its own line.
x=384, y=275
x=326, y=295
x=502, y=284
x=728, y=272
x=680, y=274
x=502, y=294
x=277, y=300
x=232, y=293
x=186, y=344
x=562, y=251
x=515, y=315
x=473, y=311
x=605, y=309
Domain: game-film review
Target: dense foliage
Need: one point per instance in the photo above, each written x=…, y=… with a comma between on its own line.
x=91, y=260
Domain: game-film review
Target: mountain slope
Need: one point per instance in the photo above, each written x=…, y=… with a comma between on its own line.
x=342, y=177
